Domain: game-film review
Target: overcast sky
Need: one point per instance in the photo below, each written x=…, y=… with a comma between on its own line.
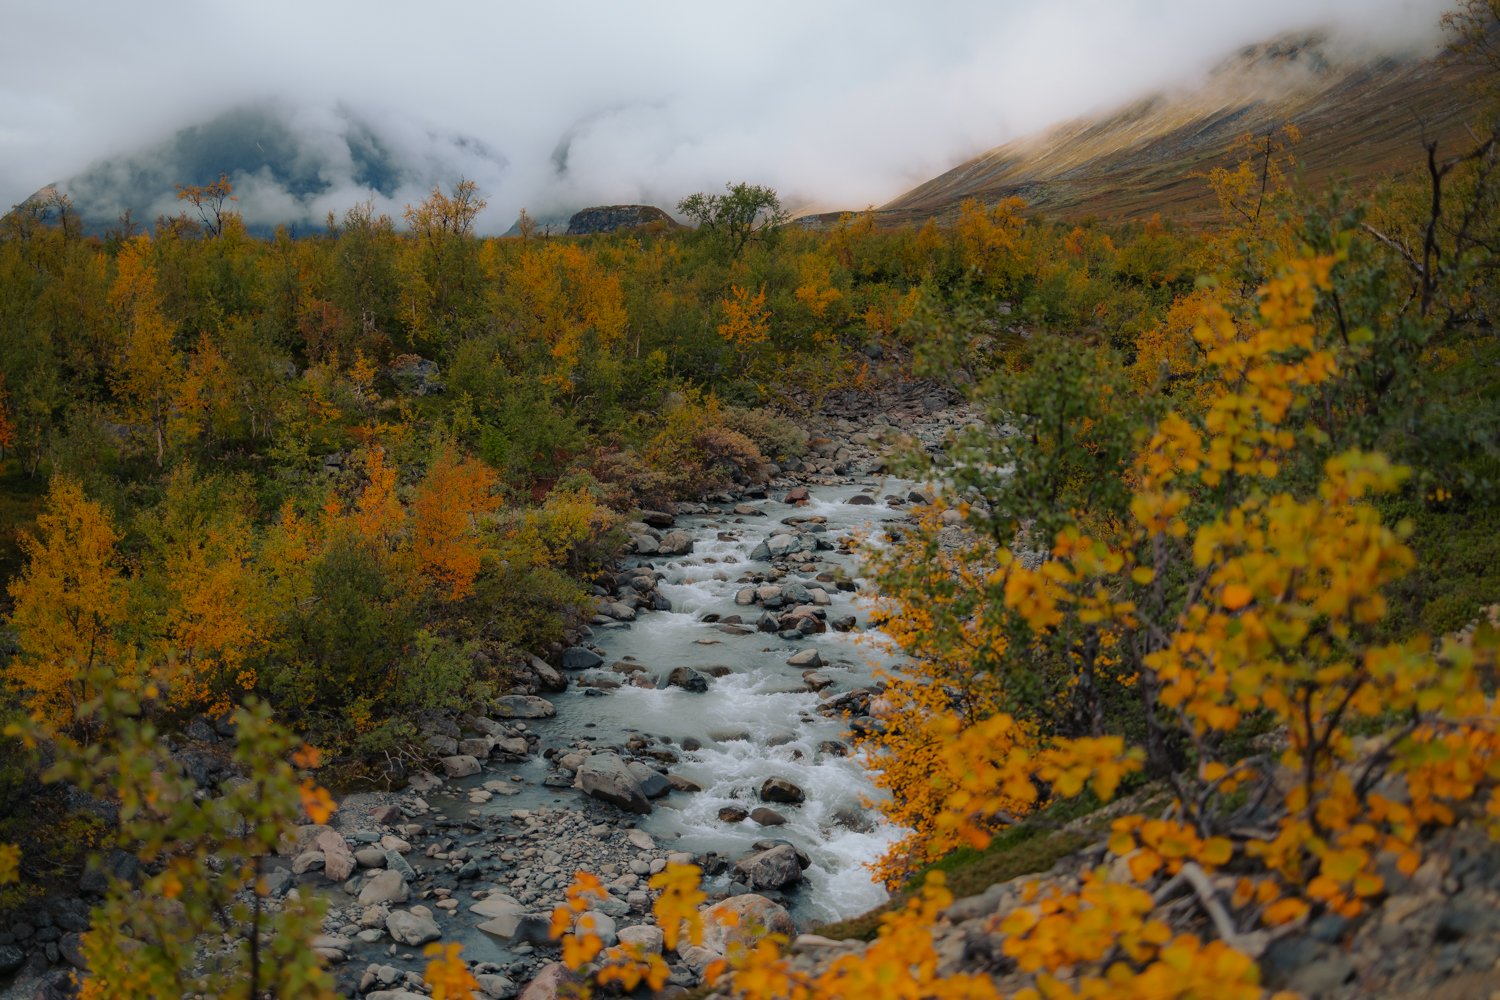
x=841, y=103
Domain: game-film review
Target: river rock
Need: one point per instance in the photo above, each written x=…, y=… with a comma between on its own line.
x=767, y=817
x=775, y=868
x=515, y=746
x=370, y=857
x=601, y=924
x=682, y=784
x=478, y=747
x=547, y=676
x=781, y=790
x=645, y=545
x=551, y=983
x=580, y=658
x=781, y=545
x=653, y=783
x=647, y=938
x=732, y=814
x=384, y=887
x=606, y=777
x=460, y=765
x=746, y=919
x=338, y=860
x=524, y=706
x=860, y=500
x=675, y=543
x=807, y=658
x=304, y=839
x=502, y=915
x=688, y=679
x=495, y=987
x=412, y=927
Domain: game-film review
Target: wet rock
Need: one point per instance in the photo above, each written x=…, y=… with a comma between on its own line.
x=775, y=868
x=688, y=679
x=807, y=658
x=580, y=658
x=676, y=543
x=495, y=987
x=767, y=817
x=653, y=783
x=681, y=784
x=658, y=518
x=861, y=500
x=781, y=790
x=524, y=706
x=607, y=778
x=733, y=814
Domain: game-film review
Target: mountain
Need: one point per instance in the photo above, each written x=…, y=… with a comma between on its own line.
x=1359, y=115
x=289, y=165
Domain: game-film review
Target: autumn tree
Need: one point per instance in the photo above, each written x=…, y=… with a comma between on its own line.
x=211, y=202
x=148, y=373
x=457, y=492
x=201, y=921
x=69, y=602
x=744, y=214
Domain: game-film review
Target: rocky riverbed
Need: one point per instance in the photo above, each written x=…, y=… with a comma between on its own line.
x=702, y=715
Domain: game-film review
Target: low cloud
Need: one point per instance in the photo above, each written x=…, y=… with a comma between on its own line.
x=552, y=107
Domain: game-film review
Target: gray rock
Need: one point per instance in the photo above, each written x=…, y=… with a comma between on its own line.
x=766, y=816
x=524, y=706
x=807, y=658
x=460, y=765
x=384, y=887
x=496, y=987
x=775, y=868
x=580, y=658
x=547, y=676
x=647, y=937
x=11, y=958
x=653, y=783
x=412, y=927
x=676, y=543
x=607, y=778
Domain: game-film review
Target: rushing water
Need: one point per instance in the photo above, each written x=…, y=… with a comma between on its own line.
x=756, y=721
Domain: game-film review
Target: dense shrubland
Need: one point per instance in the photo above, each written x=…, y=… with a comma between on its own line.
x=1234, y=491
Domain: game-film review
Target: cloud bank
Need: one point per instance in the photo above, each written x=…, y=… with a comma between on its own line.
x=554, y=106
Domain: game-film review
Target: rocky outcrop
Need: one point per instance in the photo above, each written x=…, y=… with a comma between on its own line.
x=612, y=218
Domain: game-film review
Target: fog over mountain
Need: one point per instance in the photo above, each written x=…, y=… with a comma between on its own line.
x=551, y=107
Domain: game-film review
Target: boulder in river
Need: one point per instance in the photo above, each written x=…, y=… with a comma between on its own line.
x=580, y=658
x=688, y=679
x=781, y=790
x=675, y=543
x=806, y=658
x=766, y=817
x=607, y=778
x=732, y=814
x=653, y=783
x=774, y=868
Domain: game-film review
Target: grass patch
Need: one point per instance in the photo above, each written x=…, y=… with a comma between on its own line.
x=1020, y=850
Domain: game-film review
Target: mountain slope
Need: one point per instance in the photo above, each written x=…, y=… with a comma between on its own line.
x=1359, y=116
